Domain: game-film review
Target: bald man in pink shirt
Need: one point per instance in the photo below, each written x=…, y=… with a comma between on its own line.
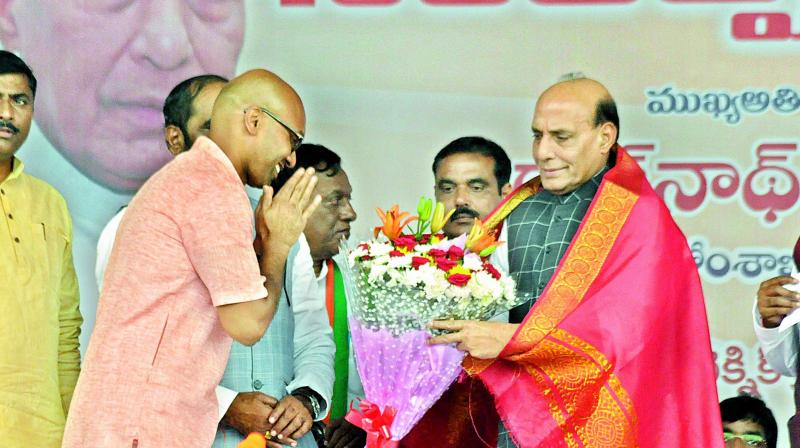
x=183, y=277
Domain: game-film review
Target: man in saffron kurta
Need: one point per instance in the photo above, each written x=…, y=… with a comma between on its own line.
x=183, y=278
x=39, y=316
x=614, y=350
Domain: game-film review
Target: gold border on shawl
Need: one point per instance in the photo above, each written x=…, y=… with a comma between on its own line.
x=570, y=372
x=527, y=190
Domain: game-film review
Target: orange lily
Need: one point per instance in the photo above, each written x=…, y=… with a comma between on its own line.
x=480, y=240
x=393, y=222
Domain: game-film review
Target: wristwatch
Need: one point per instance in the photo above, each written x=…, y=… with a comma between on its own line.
x=310, y=399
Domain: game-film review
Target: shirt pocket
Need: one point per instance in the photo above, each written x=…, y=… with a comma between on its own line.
x=34, y=265
x=43, y=248
x=155, y=345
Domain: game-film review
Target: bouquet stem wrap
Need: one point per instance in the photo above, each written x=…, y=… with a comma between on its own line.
x=402, y=376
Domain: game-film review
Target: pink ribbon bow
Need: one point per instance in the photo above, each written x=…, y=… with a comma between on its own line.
x=377, y=424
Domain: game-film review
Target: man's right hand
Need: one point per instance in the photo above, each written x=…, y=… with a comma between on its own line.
x=249, y=411
x=775, y=301
x=281, y=219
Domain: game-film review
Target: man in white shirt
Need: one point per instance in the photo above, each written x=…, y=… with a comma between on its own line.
x=777, y=298
x=325, y=230
x=187, y=115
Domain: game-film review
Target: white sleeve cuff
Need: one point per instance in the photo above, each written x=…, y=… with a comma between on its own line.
x=225, y=398
x=768, y=337
x=780, y=347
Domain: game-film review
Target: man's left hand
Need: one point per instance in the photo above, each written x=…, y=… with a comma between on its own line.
x=290, y=419
x=483, y=340
x=343, y=434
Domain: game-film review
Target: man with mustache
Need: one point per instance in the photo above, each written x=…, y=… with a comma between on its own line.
x=326, y=228
x=183, y=278
x=587, y=240
x=471, y=175
x=39, y=312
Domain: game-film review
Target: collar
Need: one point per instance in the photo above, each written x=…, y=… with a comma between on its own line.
x=207, y=145
x=16, y=170
x=586, y=191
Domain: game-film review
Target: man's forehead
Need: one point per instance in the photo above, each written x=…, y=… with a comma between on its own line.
x=562, y=114
x=15, y=83
x=743, y=427
x=465, y=165
x=338, y=183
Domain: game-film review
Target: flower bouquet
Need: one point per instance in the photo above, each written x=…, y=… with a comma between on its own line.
x=399, y=282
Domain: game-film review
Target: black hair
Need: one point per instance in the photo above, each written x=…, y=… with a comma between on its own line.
x=310, y=155
x=748, y=408
x=606, y=112
x=12, y=64
x=178, y=105
x=481, y=146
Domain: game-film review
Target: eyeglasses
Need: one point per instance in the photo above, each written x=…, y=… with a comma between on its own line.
x=754, y=440
x=295, y=138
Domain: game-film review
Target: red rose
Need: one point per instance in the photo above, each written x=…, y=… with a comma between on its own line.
x=407, y=242
x=426, y=238
x=445, y=264
x=455, y=253
x=458, y=279
x=396, y=253
x=488, y=267
x=416, y=262
x=364, y=246
x=437, y=253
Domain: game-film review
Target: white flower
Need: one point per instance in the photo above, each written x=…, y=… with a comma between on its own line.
x=377, y=272
x=459, y=293
x=395, y=278
x=485, y=288
x=435, y=285
x=473, y=262
x=379, y=249
x=400, y=262
x=422, y=249
x=509, y=289
x=413, y=277
x=381, y=260
x=358, y=252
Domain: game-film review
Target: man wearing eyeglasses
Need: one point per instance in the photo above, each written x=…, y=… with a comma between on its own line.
x=183, y=278
x=747, y=422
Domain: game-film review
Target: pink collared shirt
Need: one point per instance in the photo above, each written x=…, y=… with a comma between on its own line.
x=184, y=247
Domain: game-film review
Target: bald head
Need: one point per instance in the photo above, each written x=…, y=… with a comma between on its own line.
x=262, y=88
x=259, y=143
x=575, y=126
x=588, y=94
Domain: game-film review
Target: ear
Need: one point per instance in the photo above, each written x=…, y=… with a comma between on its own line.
x=505, y=190
x=8, y=26
x=174, y=138
x=252, y=119
x=608, y=135
x=291, y=160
